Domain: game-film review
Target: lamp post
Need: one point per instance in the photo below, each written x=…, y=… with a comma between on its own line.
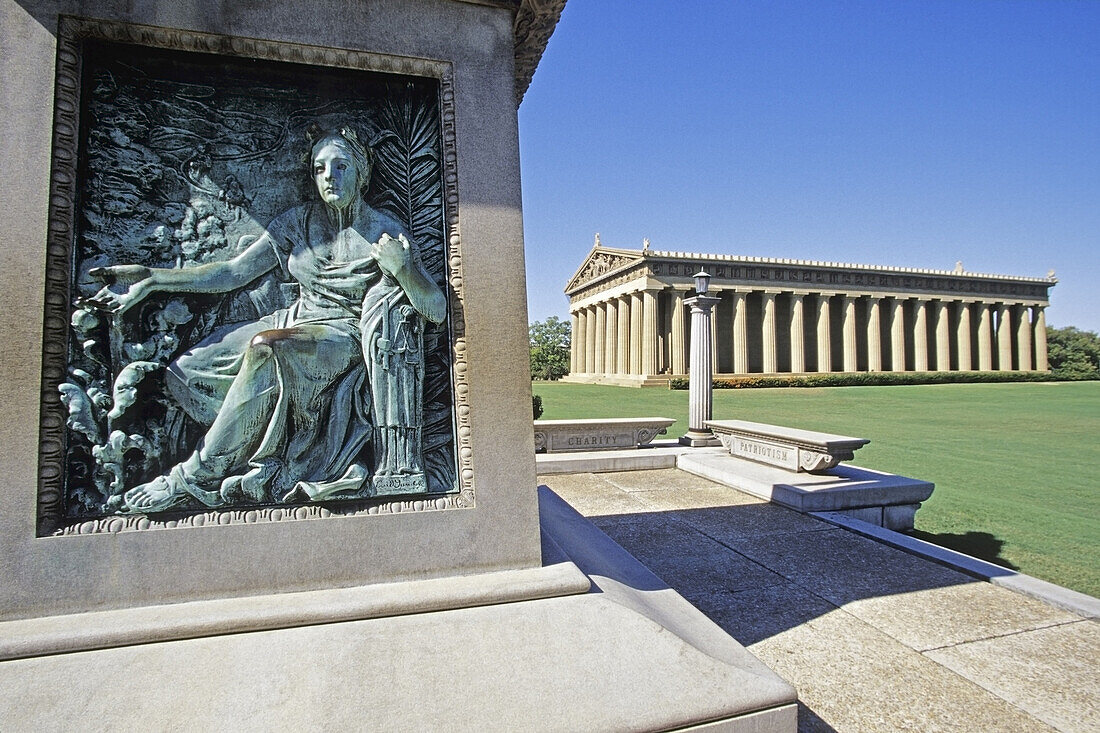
x=700, y=398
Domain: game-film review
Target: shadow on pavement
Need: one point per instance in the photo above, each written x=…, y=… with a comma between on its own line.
x=981, y=545
x=758, y=570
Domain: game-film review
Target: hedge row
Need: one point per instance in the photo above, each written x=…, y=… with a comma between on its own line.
x=870, y=378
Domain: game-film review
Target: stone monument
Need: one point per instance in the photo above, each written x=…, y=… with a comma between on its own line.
x=265, y=381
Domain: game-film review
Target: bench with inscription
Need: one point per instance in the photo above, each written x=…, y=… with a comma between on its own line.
x=789, y=448
x=560, y=436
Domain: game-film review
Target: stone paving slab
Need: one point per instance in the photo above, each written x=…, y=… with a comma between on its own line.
x=593, y=495
x=978, y=611
x=1052, y=673
x=875, y=638
x=855, y=678
x=668, y=479
x=756, y=614
x=739, y=525
x=704, y=497
x=698, y=563
x=842, y=567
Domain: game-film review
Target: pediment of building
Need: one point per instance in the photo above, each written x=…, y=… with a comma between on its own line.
x=602, y=261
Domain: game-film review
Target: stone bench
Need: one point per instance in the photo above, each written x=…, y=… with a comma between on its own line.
x=561, y=436
x=790, y=448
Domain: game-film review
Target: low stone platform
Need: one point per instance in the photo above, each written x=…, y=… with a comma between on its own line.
x=874, y=637
x=883, y=499
x=559, y=436
x=591, y=641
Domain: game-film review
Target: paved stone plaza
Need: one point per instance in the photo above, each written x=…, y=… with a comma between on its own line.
x=874, y=639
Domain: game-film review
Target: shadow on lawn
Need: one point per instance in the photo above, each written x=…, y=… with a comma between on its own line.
x=981, y=545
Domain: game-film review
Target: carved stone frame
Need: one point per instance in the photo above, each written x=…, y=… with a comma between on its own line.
x=66, y=135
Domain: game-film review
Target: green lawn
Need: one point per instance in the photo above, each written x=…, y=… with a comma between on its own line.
x=1015, y=465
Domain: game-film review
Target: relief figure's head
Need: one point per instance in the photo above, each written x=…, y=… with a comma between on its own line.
x=340, y=165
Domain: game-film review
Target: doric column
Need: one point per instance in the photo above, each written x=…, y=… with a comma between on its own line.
x=851, y=355
x=1041, y=362
x=649, y=332
x=874, y=334
x=601, y=338
x=920, y=337
x=985, y=337
x=1004, y=337
x=714, y=355
x=610, y=356
x=942, y=316
x=590, y=340
x=897, y=336
x=622, y=333
x=768, y=332
x=798, y=335
x=740, y=339
x=962, y=339
x=824, y=343
x=635, y=333
x=678, y=349
x=1023, y=340
x=574, y=341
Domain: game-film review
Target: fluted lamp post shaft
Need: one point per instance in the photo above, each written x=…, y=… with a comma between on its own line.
x=700, y=397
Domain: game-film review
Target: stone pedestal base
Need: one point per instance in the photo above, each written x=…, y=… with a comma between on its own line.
x=699, y=439
x=629, y=654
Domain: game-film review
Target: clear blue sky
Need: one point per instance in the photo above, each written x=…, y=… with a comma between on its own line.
x=894, y=132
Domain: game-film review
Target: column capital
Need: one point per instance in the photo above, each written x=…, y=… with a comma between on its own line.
x=701, y=301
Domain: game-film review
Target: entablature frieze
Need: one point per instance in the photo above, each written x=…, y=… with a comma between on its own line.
x=870, y=283
x=635, y=280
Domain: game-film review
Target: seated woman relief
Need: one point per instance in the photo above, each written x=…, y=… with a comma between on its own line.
x=319, y=400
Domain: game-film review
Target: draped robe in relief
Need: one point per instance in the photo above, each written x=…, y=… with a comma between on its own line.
x=290, y=400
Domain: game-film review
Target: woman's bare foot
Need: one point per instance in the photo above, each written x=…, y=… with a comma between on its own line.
x=155, y=496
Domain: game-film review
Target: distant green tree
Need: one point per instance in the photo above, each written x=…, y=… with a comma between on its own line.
x=550, y=348
x=1073, y=353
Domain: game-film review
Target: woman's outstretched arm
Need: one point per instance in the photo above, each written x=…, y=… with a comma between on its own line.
x=128, y=285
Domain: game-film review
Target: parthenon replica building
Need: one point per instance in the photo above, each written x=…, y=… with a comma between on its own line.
x=781, y=316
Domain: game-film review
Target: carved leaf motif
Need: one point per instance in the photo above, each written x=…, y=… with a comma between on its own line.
x=408, y=170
